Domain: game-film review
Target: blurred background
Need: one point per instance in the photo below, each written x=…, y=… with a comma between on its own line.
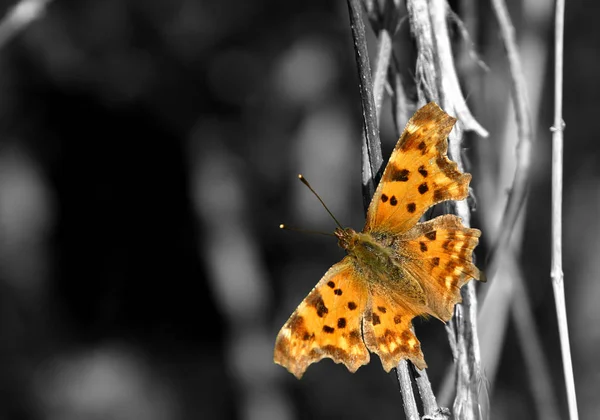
x=149, y=151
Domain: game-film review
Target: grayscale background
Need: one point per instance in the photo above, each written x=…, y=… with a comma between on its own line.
x=148, y=153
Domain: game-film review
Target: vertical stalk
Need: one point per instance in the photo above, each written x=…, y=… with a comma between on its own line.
x=557, y=188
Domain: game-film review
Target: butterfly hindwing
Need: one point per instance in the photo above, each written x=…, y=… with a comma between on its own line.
x=327, y=323
x=387, y=329
x=418, y=174
x=439, y=253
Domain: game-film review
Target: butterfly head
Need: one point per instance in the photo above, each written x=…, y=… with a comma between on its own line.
x=347, y=238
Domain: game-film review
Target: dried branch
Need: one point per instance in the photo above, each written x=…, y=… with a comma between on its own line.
x=557, y=186
x=430, y=405
x=518, y=190
x=426, y=74
x=451, y=95
x=399, y=100
x=382, y=64
x=531, y=345
x=408, y=396
x=372, y=157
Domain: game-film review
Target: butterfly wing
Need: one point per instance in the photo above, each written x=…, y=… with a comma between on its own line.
x=387, y=330
x=439, y=254
x=326, y=323
x=418, y=175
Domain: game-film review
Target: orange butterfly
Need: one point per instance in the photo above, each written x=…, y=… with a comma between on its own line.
x=396, y=268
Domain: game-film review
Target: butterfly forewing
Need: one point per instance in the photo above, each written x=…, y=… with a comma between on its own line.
x=418, y=174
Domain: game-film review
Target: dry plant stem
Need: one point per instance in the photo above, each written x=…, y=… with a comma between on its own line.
x=518, y=190
x=557, y=186
x=451, y=95
x=399, y=100
x=533, y=353
x=19, y=16
x=469, y=374
x=426, y=74
x=371, y=143
x=382, y=64
x=430, y=405
x=408, y=396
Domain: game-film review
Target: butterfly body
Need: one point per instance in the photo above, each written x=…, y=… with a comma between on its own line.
x=396, y=268
x=366, y=251
x=379, y=263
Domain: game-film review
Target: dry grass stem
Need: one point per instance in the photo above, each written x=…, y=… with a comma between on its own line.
x=451, y=96
x=531, y=345
x=372, y=157
x=518, y=190
x=382, y=64
x=430, y=406
x=557, y=188
x=408, y=396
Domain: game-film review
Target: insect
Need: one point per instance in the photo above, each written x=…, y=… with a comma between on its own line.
x=396, y=268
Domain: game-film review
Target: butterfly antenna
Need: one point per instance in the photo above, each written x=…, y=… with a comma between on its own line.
x=314, y=232
x=305, y=182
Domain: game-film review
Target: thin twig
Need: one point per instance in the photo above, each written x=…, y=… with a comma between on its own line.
x=531, y=345
x=557, y=186
x=518, y=190
x=399, y=100
x=371, y=143
x=408, y=396
x=426, y=74
x=431, y=409
x=451, y=95
x=382, y=64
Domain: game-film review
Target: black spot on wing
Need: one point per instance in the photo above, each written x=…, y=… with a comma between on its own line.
x=397, y=174
x=316, y=301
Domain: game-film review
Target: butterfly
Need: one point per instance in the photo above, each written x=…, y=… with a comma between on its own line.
x=397, y=268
